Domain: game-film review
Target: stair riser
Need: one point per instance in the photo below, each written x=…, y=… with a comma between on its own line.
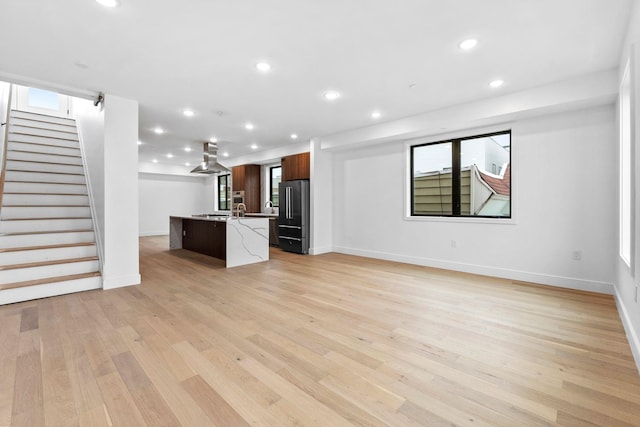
x=16, y=121
x=42, y=272
x=27, y=240
x=17, y=137
x=41, y=118
x=43, y=167
x=9, y=212
x=41, y=187
x=44, y=149
x=42, y=199
x=11, y=296
x=24, y=226
x=37, y=157
x=41, y=255
x=43, y=132
x=44, y=177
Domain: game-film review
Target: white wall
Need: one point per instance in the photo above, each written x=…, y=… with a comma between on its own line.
x=90, y=121
x=626, y=284
x=322, y=199
x=4, y=106
x=563, y=179
x=121, y=258
x=161, y=196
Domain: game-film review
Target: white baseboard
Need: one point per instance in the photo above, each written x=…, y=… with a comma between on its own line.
x=524, y=276
x=320, y=250
x=121, y=281
x=10, y=296
x=153, y=233
x=632, y=334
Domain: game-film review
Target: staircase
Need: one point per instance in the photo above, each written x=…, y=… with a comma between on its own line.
x=47, y=240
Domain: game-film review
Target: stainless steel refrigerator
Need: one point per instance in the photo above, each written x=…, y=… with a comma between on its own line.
x=293, y=221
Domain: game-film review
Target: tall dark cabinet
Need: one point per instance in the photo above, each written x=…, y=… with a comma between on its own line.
x=247, y=178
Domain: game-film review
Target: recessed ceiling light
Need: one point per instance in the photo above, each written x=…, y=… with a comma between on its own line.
x=331, y=95
x=376, y=115
x=108, y=3
x=159, y=130
x=263, y=67
x=225, y=154
x=169, y=156
x=155, y=160
x=139, y=142
x=187, y=149
x=188, y=113
x=249, y=126
x=187, y=164
x=468, y=44
x=496, y=83
x=254, y=146
x=294, y=136
x=213, y=139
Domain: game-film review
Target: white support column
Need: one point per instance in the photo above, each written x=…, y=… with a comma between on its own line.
x=321, y=199
x=121, y=259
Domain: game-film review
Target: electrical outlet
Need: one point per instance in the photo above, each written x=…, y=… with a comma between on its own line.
x=454, y=244
x=576, y=255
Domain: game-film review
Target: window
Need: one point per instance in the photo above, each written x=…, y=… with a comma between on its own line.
x=626, y=225
x=275, y=174
x=462, y=177
x=42, y=99
x=224, y=190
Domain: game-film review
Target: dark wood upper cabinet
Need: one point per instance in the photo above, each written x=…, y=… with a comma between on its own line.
x=247, y=178
x=297, y=166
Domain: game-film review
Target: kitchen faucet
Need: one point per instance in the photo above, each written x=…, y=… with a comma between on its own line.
x=269, y=204
x=238, y=206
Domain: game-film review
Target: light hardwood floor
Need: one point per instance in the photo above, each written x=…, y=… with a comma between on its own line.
x=330, y=340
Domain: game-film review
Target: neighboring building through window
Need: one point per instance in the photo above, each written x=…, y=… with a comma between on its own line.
x=462, y=177
x=275, y=174
x=224, y=190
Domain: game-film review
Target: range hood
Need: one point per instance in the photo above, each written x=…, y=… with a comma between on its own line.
x=210, y=164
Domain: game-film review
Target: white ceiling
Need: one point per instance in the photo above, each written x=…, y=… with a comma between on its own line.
x=400, y=57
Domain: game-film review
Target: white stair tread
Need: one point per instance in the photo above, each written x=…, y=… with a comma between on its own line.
x=35, y=147
x=43, y=225
x=44, y=167
x=37, y=271
x=43, y=141
x=49, y=280
x=32, y=248
x=34, y=156
x=46, y=263
x=43, y=124
x=26, y=240
x=47, y=253
x=41, y=117
x=40, y=131
x=31, y=187
x=31, y=176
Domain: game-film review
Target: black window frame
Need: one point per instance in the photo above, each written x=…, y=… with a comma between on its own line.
x=456, y=177
x=227, y=201
x=271, y=169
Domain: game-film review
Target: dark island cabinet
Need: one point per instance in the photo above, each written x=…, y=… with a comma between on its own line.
x=205, y=237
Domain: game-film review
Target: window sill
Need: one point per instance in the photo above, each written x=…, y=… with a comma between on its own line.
x=468, y=220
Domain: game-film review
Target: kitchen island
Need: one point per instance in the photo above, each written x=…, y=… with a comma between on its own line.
x=237, y=241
